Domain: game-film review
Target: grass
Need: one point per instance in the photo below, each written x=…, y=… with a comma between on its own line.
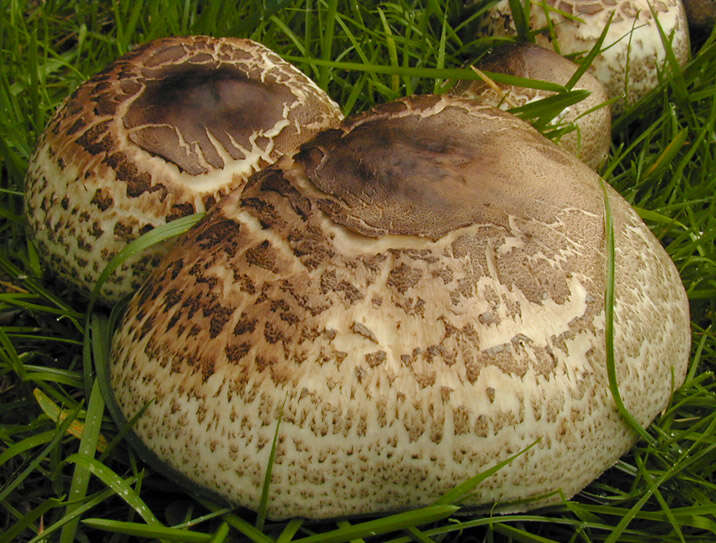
x=66, y=472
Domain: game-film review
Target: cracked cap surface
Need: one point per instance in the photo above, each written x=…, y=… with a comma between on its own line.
x=161, y=133
x=420, y=294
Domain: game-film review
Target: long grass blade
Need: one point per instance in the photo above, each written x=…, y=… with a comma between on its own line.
x=143, y=242
x=77, y=428
x=137, y=529
x=91, y=442
x=392, y=523
x=609, y=301
x=120, y=486
x=464, y=489
x=263, y=501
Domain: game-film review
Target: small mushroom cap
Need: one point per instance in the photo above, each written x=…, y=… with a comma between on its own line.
x=632, y=54
x=591, y=140
x=419, y=294
x=161, y=133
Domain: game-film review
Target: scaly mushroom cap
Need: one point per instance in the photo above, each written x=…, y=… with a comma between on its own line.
x=162, y=133
x=632, y=54
x=592, y=137
x=420, y=293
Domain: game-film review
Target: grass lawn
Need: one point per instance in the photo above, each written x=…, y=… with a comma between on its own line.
x=66, y=471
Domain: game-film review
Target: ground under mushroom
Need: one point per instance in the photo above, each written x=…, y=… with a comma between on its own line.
x=420, y=294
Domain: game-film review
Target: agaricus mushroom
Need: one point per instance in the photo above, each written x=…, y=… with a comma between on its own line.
x=633, y=54
x=591, y=139
x=162, y=133
x=701, y=15
x=419, y=294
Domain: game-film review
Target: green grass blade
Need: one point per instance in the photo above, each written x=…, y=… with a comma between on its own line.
x=26, y=444
x=517, y=534
x=521, y=17
x=137, y=529
x=263, y=501
x=221, y=533
x=463, y=489
x=327, y=34
x=143, y=242
x=86, y=505
x=667, y=155
x=391, y=523
x=292, y=526
x=418, y=535
x=659, y=497
x=77, y=428
x=236, y=522
x=586, y=62
x=120, y=486
x=28, y=520
x=609, y=300
x=392, y=50
x=31, y=466
x=9, y=355
x=429, y=73
x=541, y=112
x=89, y=444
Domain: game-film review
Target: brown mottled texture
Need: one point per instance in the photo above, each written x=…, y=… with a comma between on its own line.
x=632, y=55
x=407, y=347
x=591, y=138
x=161, y=133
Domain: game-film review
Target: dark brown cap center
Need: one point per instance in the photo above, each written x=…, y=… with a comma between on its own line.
x=192, y=115
x=427, y=175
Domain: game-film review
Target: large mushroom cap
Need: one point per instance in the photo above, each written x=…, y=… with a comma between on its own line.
x=592, y=137
x=420, y=293
x=162, y=133
x=633, y=54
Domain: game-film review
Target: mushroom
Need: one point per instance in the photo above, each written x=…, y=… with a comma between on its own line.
x=418, y=295
x=591, y=139
x=633, y=53
x=161, y=133
x=701, y=15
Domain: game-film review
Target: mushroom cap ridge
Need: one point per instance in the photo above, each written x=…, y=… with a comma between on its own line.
x=420, y=294
x=161, y=133
x=591, y=139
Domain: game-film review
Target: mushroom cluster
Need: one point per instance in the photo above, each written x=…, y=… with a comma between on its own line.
x=633, y=53
x=418, y=294
x=591, y=138
x=161, y=133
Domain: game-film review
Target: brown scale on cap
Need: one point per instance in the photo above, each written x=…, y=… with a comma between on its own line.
x=420, y=294
x=632, y=56
x=591, y=138
x=161, y=133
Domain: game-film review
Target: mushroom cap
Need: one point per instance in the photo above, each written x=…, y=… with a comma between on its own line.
x=701, y=15
x=632, y=53
x=419, y=294
x=161, y=133
x=591, y=140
